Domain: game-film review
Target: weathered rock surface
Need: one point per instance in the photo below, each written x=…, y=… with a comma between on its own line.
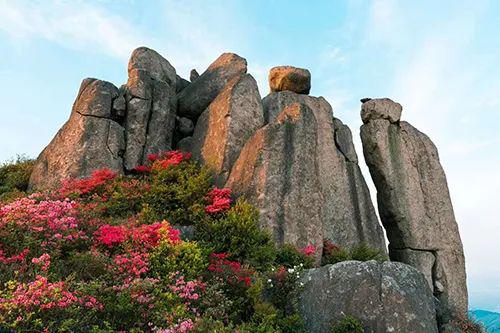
x=288, y=78
x=224, y=127
x=380, y=108
x=276, y=171
x=348, y=215
x=384, y=296
x=150, y=119
x=181, y=84
x=193, y=75
x=195, y=98
x=415, y=207
x=91, y=139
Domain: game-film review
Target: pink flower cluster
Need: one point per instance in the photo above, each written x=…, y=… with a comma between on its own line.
x=220, y=200
x=184, y=326
x=52, y=220
x=14, y=258
x=111, y=235
x=43, y=261
x=188, y=290
x=43, y=294
x=309, y=250
x=131, y=264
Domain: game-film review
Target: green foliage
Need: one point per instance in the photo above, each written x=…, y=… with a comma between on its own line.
x=238, y=234
x=289, y=256
x=333, y=254
x=466, y=324
x=184, y=257
x=348, y=324
x=178, y=193
x=14, y=177
x=363, y=252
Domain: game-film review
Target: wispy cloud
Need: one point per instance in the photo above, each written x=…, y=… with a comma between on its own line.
x=76, y=25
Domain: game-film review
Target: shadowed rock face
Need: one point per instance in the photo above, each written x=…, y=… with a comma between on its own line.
x=415, y=207
x=225, y=126
x=384, y=296
x=196, y=97
x=91, y=139
x=150, y=119
x=348, y=215
x=277, y=171
x=288, y=78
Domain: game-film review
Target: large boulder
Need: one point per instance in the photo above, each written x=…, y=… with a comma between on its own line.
x=348, y=215
x=383, y=296
x=91, y=139
x=380, y=108
x=415, y=207
x=277, y=171
x=150, y=118
x=224, y=127
x=288, y=78
x=196, y=97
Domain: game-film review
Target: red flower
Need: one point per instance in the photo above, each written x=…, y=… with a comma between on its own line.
x=220, y=200
x=86, y=185
x=142, y=169
x=152, y=157
x=111, y=235
x=309, y=250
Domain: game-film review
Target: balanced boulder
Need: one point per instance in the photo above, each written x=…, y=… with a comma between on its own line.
x=383, y=296
x=288, y=78
x=91, y=139
x=224, y=127
x=415, y=205
x=150, y=119
x=196, y=97
x=380, y=108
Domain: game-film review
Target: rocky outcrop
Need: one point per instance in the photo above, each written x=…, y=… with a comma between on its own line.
x=384, y=296
x=91, y=139
x=414, y=203
x=224, y=127
x=288, y=78
x=277, y=172
x=195, y=98
x=150, y=119
x=348, y=216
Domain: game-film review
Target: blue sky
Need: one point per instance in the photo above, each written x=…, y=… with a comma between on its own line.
x=439, y=59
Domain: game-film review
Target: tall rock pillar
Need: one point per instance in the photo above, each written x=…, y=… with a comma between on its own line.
x=414, y=202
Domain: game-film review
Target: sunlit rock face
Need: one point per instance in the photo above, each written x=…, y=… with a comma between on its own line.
x=414, y=203
x=93, y=138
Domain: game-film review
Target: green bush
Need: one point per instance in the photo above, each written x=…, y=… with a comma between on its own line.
x=177, y=193
x=289, y=256
x=363, y=252
x=184, y=257
x=348, y=324
x=238, y=234
x=14, y=176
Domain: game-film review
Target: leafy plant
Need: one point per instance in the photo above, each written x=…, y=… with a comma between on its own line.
x=14, y=177
x=348, y=324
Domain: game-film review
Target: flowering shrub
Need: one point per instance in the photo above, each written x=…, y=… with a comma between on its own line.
x=333, y=253
x=98, y=255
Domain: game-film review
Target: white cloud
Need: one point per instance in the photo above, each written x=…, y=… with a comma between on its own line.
x=76, y=25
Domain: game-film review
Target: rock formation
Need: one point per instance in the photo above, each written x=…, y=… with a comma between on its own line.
x=384, y=296
x=91, y=139
x=228, y=122
x=290, y=157
x=195, y=98
x=150, y=118
x=414, y=202
x=348, y=215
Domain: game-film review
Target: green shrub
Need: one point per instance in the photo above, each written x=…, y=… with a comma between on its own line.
x=238, y=234
x=289, y=256
x=348, y=324
x=14, y=176
x=363, y=252
x=333, y=254
x=177, y=193
x=184, y=257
